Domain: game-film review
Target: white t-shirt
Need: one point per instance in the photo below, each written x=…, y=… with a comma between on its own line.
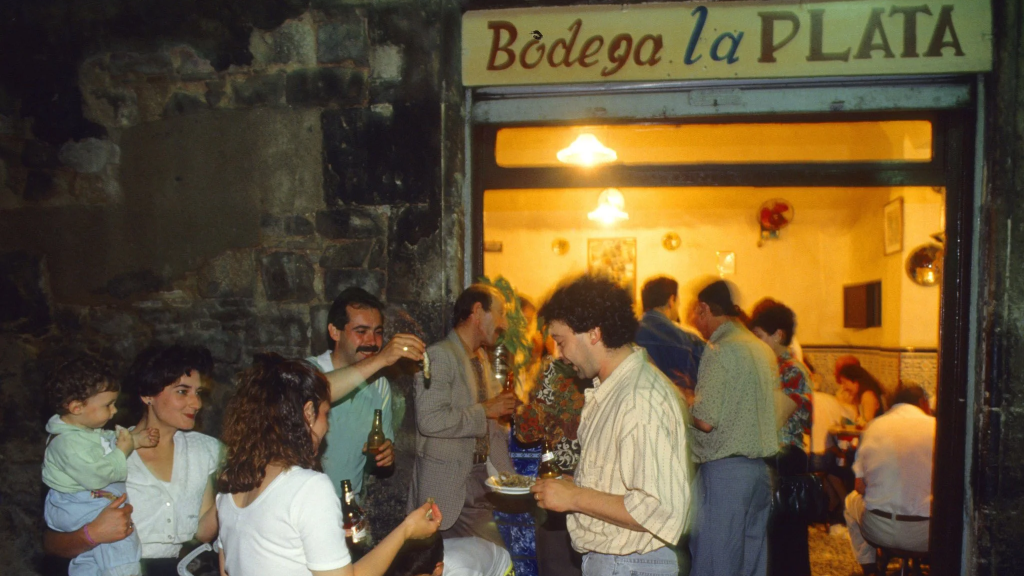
x=895, y=461
x=475, y=557
x=166, y=514
x=292, y=528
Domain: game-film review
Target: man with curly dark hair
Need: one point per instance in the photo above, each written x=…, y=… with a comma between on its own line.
x=630, y=496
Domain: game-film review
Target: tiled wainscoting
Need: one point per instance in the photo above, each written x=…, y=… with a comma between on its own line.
x=890, y=366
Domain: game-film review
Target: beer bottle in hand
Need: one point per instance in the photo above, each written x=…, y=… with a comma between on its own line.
x=548, y=467
x=355, y=522
x=376, y=438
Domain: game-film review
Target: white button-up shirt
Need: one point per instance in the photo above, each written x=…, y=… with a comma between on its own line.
x=166, y=514
x=895, y=461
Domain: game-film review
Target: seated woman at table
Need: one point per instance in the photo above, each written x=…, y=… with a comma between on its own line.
x=278, y=512
x=865, y=392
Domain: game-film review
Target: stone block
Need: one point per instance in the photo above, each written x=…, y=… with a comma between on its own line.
x=24, y=303
x=148, y=64
x=284, y=226
x=342, y=41
x=287, y=276
x=40, y=185
x=416, y=257
x=39, y=155
x=352, y=223
x=287, y=328
x=141, y=281
x=230, y=275
x=216, y=90
x=428, y=320
x=261, y=90
x=181, y=103
x=90, y=155
x=319, y=340
x=111, y=106
x=190, y=66
x=407, y=41
x=350, y=254
x=100, y=188
x=294, y=42
x=153, y=98
x=372, y=158
x=327, y=87
x=373, y=281
x=386, y=63
x=226, y=347
x=233, y=314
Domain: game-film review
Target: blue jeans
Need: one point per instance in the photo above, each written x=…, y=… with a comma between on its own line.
x=660, y=562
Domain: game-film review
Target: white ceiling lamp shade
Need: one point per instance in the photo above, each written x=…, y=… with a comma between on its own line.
x=587, y=151
x=609, y=207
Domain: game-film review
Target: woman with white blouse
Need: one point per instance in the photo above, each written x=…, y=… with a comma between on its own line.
x=278, y=512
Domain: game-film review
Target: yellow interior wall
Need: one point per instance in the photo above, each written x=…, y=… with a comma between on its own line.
x=834, y=239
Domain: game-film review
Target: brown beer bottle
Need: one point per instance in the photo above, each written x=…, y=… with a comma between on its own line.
x=548, y=467
x=509, y=386
x=376, y=438
x=355, y=522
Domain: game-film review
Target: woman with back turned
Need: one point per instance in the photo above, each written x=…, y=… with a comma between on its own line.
x=278, y=512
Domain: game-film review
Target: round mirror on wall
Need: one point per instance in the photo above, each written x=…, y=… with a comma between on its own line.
x=924, y=265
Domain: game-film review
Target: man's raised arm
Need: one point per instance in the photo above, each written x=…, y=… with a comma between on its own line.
x=345, y=380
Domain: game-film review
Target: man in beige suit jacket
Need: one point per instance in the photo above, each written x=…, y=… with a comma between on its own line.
x=457, y=412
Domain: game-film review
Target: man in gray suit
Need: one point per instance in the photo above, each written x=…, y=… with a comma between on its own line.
x=457, y=412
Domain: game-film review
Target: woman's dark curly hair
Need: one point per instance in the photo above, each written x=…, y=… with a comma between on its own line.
x=78, y=379
x=865, y=381
x=594, y=302
x=157, y=367
x=264, y=421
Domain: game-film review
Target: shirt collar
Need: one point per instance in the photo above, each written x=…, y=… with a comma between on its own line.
x=602, y=389
x=724, y=330
x=904, y=410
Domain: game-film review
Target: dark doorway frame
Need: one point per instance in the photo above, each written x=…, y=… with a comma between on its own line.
x=952, y=166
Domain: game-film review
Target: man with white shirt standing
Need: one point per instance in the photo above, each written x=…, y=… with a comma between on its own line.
x=355, y=324
x=630, y=497
x=892, y=501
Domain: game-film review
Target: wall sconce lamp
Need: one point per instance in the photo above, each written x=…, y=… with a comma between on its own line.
x=588, y=151
x=609, y=207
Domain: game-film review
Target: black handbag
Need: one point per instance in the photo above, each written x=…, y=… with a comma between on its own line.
x=800, y=497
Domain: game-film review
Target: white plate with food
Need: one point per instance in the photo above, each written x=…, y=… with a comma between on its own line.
x=511, y=484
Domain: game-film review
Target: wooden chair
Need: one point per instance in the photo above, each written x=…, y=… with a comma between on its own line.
x=910, y=561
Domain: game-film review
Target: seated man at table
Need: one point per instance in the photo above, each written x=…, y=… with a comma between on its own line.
x=891, y=505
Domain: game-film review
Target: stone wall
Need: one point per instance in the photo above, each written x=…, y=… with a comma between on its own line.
x=997, y=473
x=216, y=172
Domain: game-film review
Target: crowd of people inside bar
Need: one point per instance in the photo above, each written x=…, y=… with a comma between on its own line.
x=675, y=451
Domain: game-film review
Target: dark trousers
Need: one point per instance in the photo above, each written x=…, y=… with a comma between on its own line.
x=476, y=517
x=788, y=552
x=555, y=556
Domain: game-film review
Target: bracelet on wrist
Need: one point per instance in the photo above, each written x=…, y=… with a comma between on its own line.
x=85, y=530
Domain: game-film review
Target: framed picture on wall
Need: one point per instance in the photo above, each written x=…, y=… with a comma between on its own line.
x=893, y=220
x=614, y=257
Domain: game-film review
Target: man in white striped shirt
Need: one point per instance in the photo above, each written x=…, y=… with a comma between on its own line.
x=630, y=497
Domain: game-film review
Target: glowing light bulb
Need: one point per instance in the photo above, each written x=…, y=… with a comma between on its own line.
x=587, y=150
x=609, y=207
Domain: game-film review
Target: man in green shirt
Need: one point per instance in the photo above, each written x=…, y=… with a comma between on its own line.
x=733, y=429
